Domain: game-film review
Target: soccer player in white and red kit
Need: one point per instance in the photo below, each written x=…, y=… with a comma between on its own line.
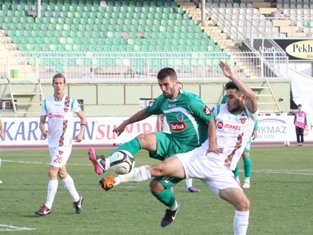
x=60, y=110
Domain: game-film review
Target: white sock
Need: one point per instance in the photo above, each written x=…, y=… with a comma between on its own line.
x=173, y=208
x=188, y=183
x=52, y=190
x=68, y=183
x=138, y=174
x=241, y=222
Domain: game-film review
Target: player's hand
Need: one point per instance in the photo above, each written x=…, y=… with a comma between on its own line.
x=119, y=130
x=45, y=134
x=254, y=134
x=214, y=149
x=2, y=136
x=78, y=138
x=226, y=69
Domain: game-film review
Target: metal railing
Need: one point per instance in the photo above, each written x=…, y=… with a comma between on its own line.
x=249, y=36
x=135, y=65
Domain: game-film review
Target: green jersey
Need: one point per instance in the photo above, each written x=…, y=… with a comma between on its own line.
x=187, y=117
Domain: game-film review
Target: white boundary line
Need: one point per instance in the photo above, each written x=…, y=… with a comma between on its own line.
x=10, y=228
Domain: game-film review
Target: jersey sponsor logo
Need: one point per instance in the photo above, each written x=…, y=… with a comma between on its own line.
x=177, y=126
x=207, y=111
x=56, y=115
x=228, y=127
x=220, y=125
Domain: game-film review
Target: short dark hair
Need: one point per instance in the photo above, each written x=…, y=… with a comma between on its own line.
x=167, y=72
x=230, y=85
x=299, y=105
x=58, y=75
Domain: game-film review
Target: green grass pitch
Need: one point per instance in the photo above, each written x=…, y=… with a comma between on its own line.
x=281, y=198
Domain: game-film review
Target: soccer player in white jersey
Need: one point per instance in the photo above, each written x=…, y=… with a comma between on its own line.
x=235, y=121
x=60, y=109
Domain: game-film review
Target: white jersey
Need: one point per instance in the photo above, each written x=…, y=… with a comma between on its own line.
x=233, y=132
x=60, y=115
x=215, y=170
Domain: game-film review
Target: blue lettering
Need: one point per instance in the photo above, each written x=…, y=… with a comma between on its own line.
x=90, y=130
x=20, y=131
x=32, y=129
x=7, y=130
x=76, y=129
x=272, y=130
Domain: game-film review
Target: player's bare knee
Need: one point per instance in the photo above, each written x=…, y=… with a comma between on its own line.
x=244, y=205
x=147, y=141
x=159, y=169
x=155, y=186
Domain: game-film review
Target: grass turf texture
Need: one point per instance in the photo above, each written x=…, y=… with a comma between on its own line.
x=280, y=198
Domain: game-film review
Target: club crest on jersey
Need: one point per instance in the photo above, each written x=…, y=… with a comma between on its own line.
x=180, y=117
x=207, y=111
x=243, y=118
x=60, y=152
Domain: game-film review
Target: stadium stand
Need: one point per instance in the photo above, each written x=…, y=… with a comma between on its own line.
x=135, y=38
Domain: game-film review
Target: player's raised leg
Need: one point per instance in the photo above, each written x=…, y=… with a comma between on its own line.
x=142, y=141
x=98, y=161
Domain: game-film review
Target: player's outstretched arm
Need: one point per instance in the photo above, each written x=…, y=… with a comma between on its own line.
x=140, y=115
x=251, y=98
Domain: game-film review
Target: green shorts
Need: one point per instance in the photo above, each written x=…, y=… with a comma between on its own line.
x=168, y=147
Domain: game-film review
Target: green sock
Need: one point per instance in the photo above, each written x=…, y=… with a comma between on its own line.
x=236, y=172
x=247, y=167
x=132, y=146
x=166, y=197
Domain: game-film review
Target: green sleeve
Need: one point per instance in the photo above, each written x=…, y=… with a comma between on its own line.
x=256, y=126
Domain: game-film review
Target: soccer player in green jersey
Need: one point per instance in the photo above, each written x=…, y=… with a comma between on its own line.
x=191, y=123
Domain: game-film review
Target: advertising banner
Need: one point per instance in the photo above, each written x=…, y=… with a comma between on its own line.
x=99, y=130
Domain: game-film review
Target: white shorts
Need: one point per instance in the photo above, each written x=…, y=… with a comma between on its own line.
x=210, y=169
x=59, y=155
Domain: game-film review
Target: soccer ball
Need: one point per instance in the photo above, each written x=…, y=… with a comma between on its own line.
x=122, y=162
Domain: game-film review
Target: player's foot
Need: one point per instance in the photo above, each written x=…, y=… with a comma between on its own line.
x=107, y=183
x=43, y=211
x=169, y=216
x=246, y=184
x=301, y=144
x=193, y=189
x=97, y=161
x=78, y=204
